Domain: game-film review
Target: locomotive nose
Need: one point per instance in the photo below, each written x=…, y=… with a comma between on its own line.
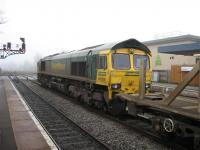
x=129, y=84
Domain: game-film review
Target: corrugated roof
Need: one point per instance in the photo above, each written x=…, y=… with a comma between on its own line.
x=181, y=49
x=181, y=38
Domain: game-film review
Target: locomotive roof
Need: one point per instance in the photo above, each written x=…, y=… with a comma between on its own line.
x=130, y=43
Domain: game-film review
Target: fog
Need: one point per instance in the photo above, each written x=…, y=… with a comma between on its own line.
x=53, y=26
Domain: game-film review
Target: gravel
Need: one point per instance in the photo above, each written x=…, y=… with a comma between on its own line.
x=116, y=135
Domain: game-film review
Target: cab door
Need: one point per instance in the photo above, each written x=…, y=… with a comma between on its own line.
x=91, y=65
x=102, y=71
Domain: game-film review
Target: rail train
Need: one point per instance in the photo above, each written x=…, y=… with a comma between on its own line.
x=96, y=74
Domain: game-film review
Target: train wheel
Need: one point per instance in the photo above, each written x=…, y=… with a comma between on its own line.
x=105, y=108
x=49, y=85
x=90, y=102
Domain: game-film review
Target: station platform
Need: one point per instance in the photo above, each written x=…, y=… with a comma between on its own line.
x=19, y=129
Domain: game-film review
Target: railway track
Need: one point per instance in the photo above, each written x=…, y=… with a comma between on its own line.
x=64, y=132
x=140, y=125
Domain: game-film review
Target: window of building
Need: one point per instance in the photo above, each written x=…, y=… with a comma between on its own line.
x=197, y=59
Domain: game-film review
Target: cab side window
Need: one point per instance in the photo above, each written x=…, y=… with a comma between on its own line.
x=101, y=62
x=43, y=66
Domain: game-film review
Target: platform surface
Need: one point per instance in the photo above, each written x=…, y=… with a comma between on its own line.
x=19, y=130
x=7, y=140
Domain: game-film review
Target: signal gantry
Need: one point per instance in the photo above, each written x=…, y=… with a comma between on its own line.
x=9, y=49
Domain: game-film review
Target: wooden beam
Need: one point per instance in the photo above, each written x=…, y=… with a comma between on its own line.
x=190, y=76
x=142, y=80
x=199, y=86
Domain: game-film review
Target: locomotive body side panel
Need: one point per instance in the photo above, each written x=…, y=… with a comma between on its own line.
x=57, y=66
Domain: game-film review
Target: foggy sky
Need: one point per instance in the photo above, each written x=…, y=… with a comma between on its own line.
x=52, y=26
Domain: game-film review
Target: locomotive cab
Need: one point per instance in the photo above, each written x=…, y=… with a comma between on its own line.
x=119, y=71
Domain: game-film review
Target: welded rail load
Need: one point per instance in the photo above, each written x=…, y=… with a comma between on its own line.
x=169, y=116
x=65, y=133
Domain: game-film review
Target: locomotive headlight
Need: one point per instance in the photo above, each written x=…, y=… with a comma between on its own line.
x=148, y=85
x=116, y=86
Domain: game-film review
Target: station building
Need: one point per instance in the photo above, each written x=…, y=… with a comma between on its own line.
x=171, y=67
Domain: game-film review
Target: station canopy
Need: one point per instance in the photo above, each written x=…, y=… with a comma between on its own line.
x=181, y=49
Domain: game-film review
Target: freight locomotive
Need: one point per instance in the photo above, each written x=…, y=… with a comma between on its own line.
x=96, y=74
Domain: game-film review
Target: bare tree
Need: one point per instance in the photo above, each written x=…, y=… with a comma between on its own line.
x=37, y=57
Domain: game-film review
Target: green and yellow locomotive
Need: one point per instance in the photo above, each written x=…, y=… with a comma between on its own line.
x=95, y=74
